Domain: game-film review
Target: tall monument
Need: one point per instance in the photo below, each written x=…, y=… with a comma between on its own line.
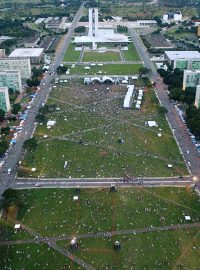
x=93, y=22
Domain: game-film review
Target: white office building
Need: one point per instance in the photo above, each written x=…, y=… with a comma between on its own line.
x=191, y=78
x=183, y=59
x=4, y=99
x=11, y=79
x=197, y=98
x=21, y=64
x=35, y=54
x=172, y=16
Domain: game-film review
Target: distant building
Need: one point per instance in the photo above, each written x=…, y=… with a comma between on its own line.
x=146, y=22
x=21, y=64
x=4, y=99
x=172, y=16
x=196, y=22
x=197, y=98
x=2, y=53
x=39, y=20
x=54, y=23
x=4, y=38
x=93, y=22
x=198, y=31
x=97, y=35
x=35, y=54
x=191, y=78
x=11, y=79
x=31, y=42
x=183, y=59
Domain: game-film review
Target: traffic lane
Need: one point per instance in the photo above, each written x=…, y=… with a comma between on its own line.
x=180, y=133
x=16, y=153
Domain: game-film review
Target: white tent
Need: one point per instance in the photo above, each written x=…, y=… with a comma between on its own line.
x=51, y=123
x=129, y=94
x=152, y=124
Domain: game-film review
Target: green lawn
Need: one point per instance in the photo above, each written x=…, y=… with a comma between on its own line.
x=53, y=212
x=34, y=256
x=156, y=250
x=71, y=55
x=98, y=119
x=181, y=35
x=108, y=69
x=131, y=54
x=9, y=233
x=101, y=57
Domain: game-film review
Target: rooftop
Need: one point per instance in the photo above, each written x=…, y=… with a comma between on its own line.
x=192, y=71
x=27, y=52
x=173, y=55
x=105, y=35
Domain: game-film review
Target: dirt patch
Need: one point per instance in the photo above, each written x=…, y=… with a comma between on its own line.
x=11, y=212
x=104, y=153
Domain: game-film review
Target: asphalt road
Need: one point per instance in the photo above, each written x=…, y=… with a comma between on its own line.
x=187, y=148
x=16, y=152
x=22, y=183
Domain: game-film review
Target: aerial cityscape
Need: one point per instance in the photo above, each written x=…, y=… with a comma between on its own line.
x=100, y=134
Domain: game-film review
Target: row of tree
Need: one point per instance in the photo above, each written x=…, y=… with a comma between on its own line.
x=122, y=29
x=174, y=81
x=35, y=80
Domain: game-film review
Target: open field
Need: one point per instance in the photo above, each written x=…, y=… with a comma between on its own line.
x=158, y=41
x=35, y=256
x=71, y=55
x=131, y=54
x=9, y=233
x=182, y=34
x=108, y=69
x=101, y=56
x=144, y=251
x=146, y=11
x=89, y=123
x=54, y=213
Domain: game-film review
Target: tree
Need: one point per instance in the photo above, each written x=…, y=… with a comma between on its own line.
x=62, y=69
x=11, y=91
x=3, y=146
x=175, y=94
x=5, y=130
x=158, y=19
x=122, y=29
x=193, y=120
x=41, y=118
x=30, y=144
x=10, y=198
x=16, y=108
x=37, y=71
x=162, y=110
x=144, y=70
x=162, y=72
x=2, y=115
x=80, y=29
x=33, y=82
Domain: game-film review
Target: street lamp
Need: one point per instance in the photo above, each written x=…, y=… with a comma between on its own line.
x=195, y=179
x=73, y=244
